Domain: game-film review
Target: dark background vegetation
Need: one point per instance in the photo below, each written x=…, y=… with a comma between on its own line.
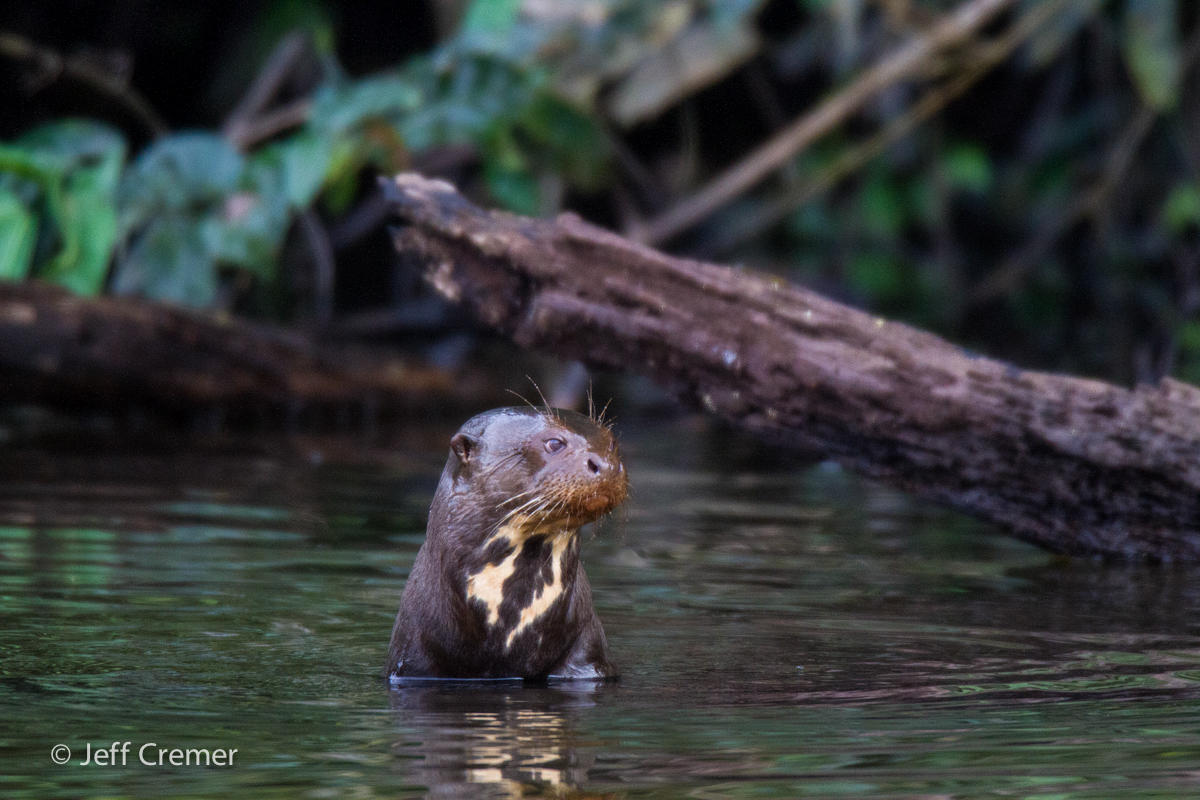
x=1045, y=209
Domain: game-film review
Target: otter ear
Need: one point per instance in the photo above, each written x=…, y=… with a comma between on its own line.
x=464, y=447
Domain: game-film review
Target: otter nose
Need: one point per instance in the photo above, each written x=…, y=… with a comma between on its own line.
x=597, y=464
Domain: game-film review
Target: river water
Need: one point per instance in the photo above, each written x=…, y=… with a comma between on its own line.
x=783, y=629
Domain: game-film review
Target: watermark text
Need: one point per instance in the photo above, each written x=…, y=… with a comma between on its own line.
x=149, y=754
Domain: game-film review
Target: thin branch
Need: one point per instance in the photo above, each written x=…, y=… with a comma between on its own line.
x=1008, y=275
x=280, y=64
x=909, y=59
x=264, y=126
x=52, y=65
x=640, y=178
x=324, y=265
x=981, y=60
x=1091, y=203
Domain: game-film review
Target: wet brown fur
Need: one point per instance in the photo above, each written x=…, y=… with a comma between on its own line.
x=497, y=590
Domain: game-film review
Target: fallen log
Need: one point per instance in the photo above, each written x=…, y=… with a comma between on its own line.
x=123, y=354
x=1075, y=465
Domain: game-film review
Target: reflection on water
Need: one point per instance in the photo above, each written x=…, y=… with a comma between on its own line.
x=495, y=739
x=782, y=631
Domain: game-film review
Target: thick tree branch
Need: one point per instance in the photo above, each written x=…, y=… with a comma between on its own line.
x=120, y=353
x=1078, y=466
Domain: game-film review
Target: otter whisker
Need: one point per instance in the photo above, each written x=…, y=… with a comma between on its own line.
x=542, y=507
x=604, y=410
x=510, y=515
x=549, y=411
x=531, y=502
x=513, y=513
x=515, y=497
x=523, y=398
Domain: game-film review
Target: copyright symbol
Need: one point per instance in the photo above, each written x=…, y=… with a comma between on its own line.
x=60, y=754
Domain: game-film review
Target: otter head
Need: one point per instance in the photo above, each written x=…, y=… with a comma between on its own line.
x=536, y=469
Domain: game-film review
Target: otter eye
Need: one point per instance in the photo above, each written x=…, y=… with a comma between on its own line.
x=554, y=445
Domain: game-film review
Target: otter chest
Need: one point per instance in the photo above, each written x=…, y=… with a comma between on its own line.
x=521, y=579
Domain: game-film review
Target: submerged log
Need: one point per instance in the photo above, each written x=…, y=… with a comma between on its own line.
x=1075, y=465
x=121, y=354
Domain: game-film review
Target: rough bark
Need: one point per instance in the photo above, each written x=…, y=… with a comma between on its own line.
x=62, y=350
x=1074, y=465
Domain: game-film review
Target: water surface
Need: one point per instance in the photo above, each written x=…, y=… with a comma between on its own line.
x=784, y=630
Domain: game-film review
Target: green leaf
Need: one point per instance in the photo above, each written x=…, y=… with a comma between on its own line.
x=1150, y=46
x=249, y=233
x=1182, y=209
x=67, y=144
x=86, y=216
x=23, y=163
x=968, y=167
x=921, y=198
x=280, y=178
x=515, y=189
x=568, y=139
x=811, y=222
x=281, y=17
x=876, y=275
x=341, y=185
x=199, y=163
x=185, y=205
x=169, y=261
x=75, y=166
x=491, y=16
x=18, y=232
x=508, y=176
x=470, y=96
x=295, y=167
x=882, y=206
x=1189, y=352
x=337, y=110
x=176, y=173
x=1189, y=337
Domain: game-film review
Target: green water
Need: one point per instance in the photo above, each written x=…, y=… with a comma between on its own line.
x=783, y=631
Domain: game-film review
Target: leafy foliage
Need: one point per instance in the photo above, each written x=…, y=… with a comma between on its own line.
x=1151, y=49
x=1051, y=215
x=1054, y=219
x=18, y=232
x=66, y=173
x=190, y=205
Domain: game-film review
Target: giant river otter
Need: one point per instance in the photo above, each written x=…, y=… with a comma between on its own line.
x=497, y=590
